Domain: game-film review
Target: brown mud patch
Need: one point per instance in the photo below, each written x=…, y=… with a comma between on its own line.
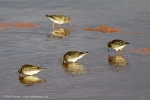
x=110, y=30
x=103, y=29
x=145, y=51
x=8, y=25
x=148, y=14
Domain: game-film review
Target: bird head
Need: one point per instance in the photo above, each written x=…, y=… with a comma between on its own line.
x=69, y=20
x=63, y=59
x=19, y=71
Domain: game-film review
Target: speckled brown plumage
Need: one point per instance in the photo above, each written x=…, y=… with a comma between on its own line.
x=73, y=56
x=29, y=69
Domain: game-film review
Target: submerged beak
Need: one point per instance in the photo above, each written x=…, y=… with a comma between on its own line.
x=19, y=74
x=108, y=49
x=70, y=23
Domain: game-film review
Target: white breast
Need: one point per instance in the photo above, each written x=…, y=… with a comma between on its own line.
x=31, y=72
x=58, y=22
x=120, y=48
x=75, y=59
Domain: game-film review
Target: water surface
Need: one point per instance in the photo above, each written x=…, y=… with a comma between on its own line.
x=101, y=80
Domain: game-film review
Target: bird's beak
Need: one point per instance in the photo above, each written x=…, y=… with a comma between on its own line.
x=70, y=23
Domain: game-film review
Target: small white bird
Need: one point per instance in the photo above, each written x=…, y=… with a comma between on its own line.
x=29, y=69
x=59, y=19
x=73, y=56
x=117, y=45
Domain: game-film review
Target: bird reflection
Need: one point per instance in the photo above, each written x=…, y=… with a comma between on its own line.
x=30, y=80
x=118, y=63
x=59, y=33
x=74, y=68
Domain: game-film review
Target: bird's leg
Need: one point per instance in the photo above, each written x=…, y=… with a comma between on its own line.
x=116, y=53
x=53, y=26
x=70, y=24
x=120, y=52
x=58, y=26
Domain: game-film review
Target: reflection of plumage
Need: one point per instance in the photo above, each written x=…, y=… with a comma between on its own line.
x=29, y=69
x=117, y=61
x=59, y=19
x=60, y=33
x=117, y=44
x=74, y=68
x=73, y=56
x=30, y=80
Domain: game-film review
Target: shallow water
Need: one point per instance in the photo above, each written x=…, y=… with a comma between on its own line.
x=96, y=77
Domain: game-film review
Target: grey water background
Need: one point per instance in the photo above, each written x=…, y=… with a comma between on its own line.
x=102, y=81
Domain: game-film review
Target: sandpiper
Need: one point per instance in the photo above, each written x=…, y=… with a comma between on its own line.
x=73, y=56
x=59, y=19
x=29, y=69
x=117, y=45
